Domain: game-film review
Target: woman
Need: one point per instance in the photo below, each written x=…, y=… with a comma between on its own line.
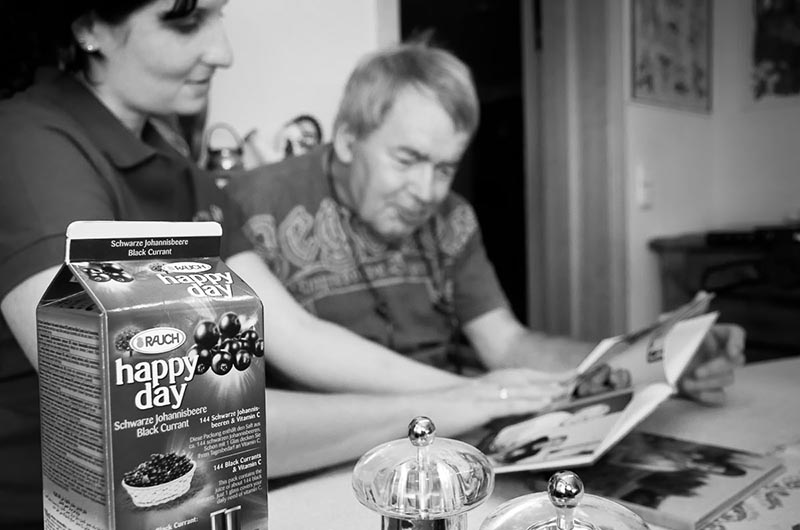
x=79, y=144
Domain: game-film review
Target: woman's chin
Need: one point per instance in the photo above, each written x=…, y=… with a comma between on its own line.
x=191, y=107
x=192, y=100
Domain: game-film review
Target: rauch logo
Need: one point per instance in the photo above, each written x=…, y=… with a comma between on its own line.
x=157, y=340
x=184, y=267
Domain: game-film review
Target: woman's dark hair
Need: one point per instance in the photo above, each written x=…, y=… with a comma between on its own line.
x=38, y=33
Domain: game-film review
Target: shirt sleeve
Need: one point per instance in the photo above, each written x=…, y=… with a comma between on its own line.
x=476, y=289
x=234, y=238
x=46, y=182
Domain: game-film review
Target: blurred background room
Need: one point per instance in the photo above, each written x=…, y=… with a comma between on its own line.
x=630, y=151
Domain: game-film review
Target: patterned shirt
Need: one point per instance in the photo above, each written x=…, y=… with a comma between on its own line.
x=332, y=264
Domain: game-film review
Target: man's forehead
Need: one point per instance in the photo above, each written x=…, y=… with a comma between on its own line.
x=418, y=124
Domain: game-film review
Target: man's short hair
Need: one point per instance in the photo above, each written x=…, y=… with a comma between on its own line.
x=378, y=79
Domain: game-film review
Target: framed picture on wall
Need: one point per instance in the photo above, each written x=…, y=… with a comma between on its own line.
x=776, y=50
x=671, y=53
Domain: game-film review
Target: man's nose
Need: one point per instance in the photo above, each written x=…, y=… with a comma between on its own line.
x=423, y=183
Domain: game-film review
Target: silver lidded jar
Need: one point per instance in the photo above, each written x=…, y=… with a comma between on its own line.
x=564, y=506
x=423, y=482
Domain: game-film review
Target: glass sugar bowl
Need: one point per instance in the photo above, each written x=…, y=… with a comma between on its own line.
x=423, y=482
x=564, y=506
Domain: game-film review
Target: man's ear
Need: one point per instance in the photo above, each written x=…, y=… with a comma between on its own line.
x=343, y=141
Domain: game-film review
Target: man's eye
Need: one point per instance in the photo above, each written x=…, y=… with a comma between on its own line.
x=446, y=172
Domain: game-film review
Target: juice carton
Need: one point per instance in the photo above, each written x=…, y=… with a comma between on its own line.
x=152, y=383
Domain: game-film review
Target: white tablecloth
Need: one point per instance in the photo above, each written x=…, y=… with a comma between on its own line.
x=762, y=414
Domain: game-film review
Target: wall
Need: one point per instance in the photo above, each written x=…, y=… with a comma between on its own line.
x=734, y=167
x=292, y=57
x=756, y=145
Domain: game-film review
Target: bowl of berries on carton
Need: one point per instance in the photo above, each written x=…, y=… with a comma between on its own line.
x=160, y=479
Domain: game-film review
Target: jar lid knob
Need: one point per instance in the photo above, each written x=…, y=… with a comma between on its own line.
x=421, y=431
x=565, y=490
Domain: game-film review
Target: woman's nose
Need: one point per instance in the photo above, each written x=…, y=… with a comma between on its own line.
x=219, y=53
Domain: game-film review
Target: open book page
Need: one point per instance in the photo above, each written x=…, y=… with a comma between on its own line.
x=681, y=343
x=581, y=430
x=641, y=353
x=645, y=401
x=567, y=436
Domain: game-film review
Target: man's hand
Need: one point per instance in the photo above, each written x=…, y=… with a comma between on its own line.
x=525, y=383
x=721, y=352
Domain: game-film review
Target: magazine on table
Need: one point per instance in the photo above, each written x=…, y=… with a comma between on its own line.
x=577, y=432
x=672, y=482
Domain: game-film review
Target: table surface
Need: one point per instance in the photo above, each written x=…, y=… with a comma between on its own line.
x=762, y=412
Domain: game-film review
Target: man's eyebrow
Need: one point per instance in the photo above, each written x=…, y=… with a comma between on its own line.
x=410, y=151
x=424, y=157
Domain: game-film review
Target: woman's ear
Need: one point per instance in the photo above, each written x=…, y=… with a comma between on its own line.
x=83, y=30
x=95, y=36
x=343, y=141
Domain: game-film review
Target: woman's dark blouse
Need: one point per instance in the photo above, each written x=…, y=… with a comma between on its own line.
x=65, y=157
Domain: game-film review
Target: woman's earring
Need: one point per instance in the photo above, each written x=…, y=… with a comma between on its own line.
x=88, y=47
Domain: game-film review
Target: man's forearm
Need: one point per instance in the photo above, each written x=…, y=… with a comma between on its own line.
x=324, y=356
x=310, y=431
x=503, y=342
x=545, y=353
x=331, y=358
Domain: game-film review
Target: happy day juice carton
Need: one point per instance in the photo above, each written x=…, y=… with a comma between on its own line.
x=151, y=366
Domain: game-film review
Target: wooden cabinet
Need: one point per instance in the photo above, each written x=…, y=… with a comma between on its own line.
x=756, y=280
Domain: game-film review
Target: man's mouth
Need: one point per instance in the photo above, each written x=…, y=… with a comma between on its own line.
x=413, y=217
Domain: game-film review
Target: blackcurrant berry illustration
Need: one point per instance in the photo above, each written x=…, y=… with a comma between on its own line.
x=201, y=368
x=222, y=346
x=158, y=469
x=222, y=362
x=206, y=354
x=206, y=334
x=203, y=356
x=100, y=277
x=231, y=346
x=229, y=325
x=122, y=342
x=241, y=360
x=111, y=267
x=121, y=276
x=248, y=339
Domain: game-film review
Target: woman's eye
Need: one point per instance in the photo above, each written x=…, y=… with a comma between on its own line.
x=187, y=24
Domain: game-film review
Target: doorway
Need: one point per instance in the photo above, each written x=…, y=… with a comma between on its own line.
x=487, y=36
x=546, y=169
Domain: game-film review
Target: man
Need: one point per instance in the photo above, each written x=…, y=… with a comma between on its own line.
x=366, y=232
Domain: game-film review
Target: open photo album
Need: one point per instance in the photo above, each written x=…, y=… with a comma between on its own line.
x=579, y=431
